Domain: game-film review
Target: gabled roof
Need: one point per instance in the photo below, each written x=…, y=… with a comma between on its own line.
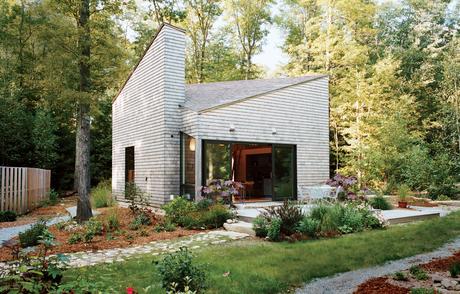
x=200, y=97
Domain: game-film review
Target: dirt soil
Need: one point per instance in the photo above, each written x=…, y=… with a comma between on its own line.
x=43, y=212
x=123, y=237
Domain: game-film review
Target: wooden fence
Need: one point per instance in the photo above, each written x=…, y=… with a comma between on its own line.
x=23, y=188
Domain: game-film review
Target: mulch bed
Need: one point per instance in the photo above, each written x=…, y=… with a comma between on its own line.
x=42, y=212
x=441, y=265
x=123, y=237
x=380, y=286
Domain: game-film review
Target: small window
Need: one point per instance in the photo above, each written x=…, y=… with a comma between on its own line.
x=129, y=164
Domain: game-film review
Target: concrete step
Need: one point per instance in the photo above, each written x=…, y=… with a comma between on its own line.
x=400, y=216
x=240, y=227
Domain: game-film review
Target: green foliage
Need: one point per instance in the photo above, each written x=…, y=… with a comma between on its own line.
x=308, y=226
x=8, y=216
x=141, y=219
x=260, y=225
x=290, y=214
x=101, y=196
x=443, y=198
x=177, y=209
x=179, y=270
x=418, y=273
x=113, y=223
x=93, y=227
x=75, y=238
x=380, y=202
x=165, y=226
x=403, y=192
x=274, y=229
x=454, y=269
x=53, y=197
x=31, y=237
x=400, y=276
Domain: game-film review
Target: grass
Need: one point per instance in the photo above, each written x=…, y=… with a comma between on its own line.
x=101, y=196
x=263, y=267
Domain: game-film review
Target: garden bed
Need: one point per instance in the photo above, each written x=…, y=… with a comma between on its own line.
x=47, y=211
x=123, y=236
x=431, y=277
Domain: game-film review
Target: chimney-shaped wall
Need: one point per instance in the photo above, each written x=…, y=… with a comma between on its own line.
x=145, y=115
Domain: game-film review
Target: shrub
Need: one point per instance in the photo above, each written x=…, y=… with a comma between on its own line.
x=290, y=214
x=113, y=223
x=136, y=198
x=8, y=216
x=260, y=226
x=220, y=190
x=454, y=269
x=204, y=204
x=31, y=237
x=178, y=208
x=142, y=219
x=102, y=195
x=443, y=198
x=166, y=226
x=93, y=227
x=53, y=197
x=177, y=271
x=352, y=219
x=379, y=202
x=403, y=192
x=308, y=226
x=400, y=276
x=75, y=238
x=274, y=229
x=418, y=273
x=215, y=216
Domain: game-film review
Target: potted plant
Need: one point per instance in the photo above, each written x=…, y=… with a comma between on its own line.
x=403, y=193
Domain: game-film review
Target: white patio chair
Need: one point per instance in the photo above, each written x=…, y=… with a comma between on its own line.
x=315, y=193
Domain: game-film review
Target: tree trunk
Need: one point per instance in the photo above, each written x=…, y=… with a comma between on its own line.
x=83, y=119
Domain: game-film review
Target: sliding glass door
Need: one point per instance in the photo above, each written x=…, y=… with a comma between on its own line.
x=284, y=177
x=216, y=161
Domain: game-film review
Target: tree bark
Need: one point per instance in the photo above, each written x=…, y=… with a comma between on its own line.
x=83, y=119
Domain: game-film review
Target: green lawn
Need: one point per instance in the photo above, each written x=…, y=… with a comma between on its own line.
x=263, y=267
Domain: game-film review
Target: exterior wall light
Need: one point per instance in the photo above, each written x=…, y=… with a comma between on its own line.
x=232, y=128
x=192, y=145
x=273, y=131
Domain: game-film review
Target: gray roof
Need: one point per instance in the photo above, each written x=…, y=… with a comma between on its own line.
x=200, y=97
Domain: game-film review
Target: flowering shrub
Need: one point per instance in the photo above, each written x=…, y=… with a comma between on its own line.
x=347, y=187
x=222, y=190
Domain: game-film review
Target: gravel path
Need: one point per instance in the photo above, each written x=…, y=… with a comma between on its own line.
x=347, y=282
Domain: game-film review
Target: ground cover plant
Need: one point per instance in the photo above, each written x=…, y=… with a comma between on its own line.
x=204, y=214
x=101, y=195
x=8, y=216
x=254, y=266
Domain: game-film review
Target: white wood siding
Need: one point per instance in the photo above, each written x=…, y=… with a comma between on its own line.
x=299, y=114
x=146, y=116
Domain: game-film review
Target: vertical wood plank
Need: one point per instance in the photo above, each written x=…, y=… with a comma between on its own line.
x=2, y=187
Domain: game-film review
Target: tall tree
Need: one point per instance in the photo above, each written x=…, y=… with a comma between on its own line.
x=82, y=150
x=250, y=19
x=201, y=15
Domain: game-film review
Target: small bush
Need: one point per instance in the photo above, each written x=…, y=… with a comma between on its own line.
x=204, y=204
x=142, y=219
x=53, y=197
x=290, y=214
x=443, y=198
x=75, y=238
x=178, y=271
x=8, y=216
x=31, y=237
x=101, y=196
x=178, y=209
x=93, y=227
x=215, y=216
x=379, y=202
x=274, y=229
x=260, y=226
x=418, y=273
x=454, y=269
x=166, y=226
x=308, y=226
x=400, y=276
x=113, y=223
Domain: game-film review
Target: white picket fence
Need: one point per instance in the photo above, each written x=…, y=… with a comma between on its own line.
x=23, y=188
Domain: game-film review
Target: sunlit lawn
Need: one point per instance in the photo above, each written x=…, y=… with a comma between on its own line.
x=263, y=267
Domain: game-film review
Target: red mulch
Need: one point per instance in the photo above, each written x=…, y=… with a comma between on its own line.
x=441, y=265
x=380, y=286
x=124, y=238
x=42, y=212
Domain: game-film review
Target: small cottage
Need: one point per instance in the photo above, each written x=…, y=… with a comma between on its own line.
x=171, y=138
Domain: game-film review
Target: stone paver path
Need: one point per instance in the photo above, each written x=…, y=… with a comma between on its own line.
x=155, y=248
x=349, y=281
